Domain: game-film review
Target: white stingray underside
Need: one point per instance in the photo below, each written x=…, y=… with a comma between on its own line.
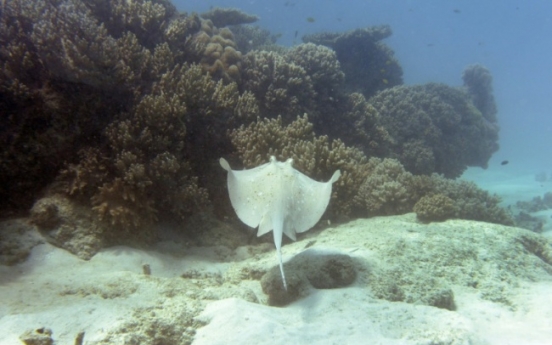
x=276, y=192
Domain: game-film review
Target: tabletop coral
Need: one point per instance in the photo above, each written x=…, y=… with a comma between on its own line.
x=222, y=17
x=369, y=65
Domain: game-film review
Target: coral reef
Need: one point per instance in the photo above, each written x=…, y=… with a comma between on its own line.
x=434, y=208
x=56, y=89
x=105, y=87
x=470, y=201
x=387, y=189
x=119, y=110
x=536, y=204
x=357, y=125
x=369, y=65
x=248, y=38
x=317, y=157
x=146, y=164
x=281, y=87
x=228, y=16
x=218, y=51
x=435, y=128
x=321, y=65
x=367, y=187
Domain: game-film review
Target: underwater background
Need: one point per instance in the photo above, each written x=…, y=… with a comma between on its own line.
x=433, y=40
x=428, y=123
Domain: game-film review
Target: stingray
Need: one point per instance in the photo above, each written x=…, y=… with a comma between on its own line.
x=274, y=196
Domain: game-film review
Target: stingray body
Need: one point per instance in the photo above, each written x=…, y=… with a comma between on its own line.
x=275, y=196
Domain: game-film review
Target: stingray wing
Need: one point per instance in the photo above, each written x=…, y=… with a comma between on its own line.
x=310, y=200
x=252, y=193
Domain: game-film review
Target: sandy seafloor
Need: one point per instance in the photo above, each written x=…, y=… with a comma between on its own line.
x=221, y=301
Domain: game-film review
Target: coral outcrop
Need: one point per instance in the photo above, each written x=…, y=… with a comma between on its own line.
x=387, y=189
x=282, y=87
x=435, y=128
x=358, y=125
x=434, y=207
x=321, y=65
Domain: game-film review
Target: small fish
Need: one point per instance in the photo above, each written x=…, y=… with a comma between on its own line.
x=296, y=33
x=430, y=44
x=311, y=19
x=456, y=10
x=504, y=162
x=385, y=81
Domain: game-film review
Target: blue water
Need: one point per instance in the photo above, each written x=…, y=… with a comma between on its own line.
x=434, y=41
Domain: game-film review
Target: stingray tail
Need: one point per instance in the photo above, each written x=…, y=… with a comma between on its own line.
x=277, y=234
x=282, y=268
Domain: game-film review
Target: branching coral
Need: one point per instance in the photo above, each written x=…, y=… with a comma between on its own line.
x=144, y=169
x=318, y=157
x=390, y=189
x=220, y=56
x=56, y=88
x=366, y=187
x=387, y=189
x=321, y=65
x=123, y=206
x=470, y=201
x=357, y=125
x=146, y=19
x=280, y=86
x=435, y=207
x=369, y=65
x=110, y=80
x=150, y=149
x=435, y=128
